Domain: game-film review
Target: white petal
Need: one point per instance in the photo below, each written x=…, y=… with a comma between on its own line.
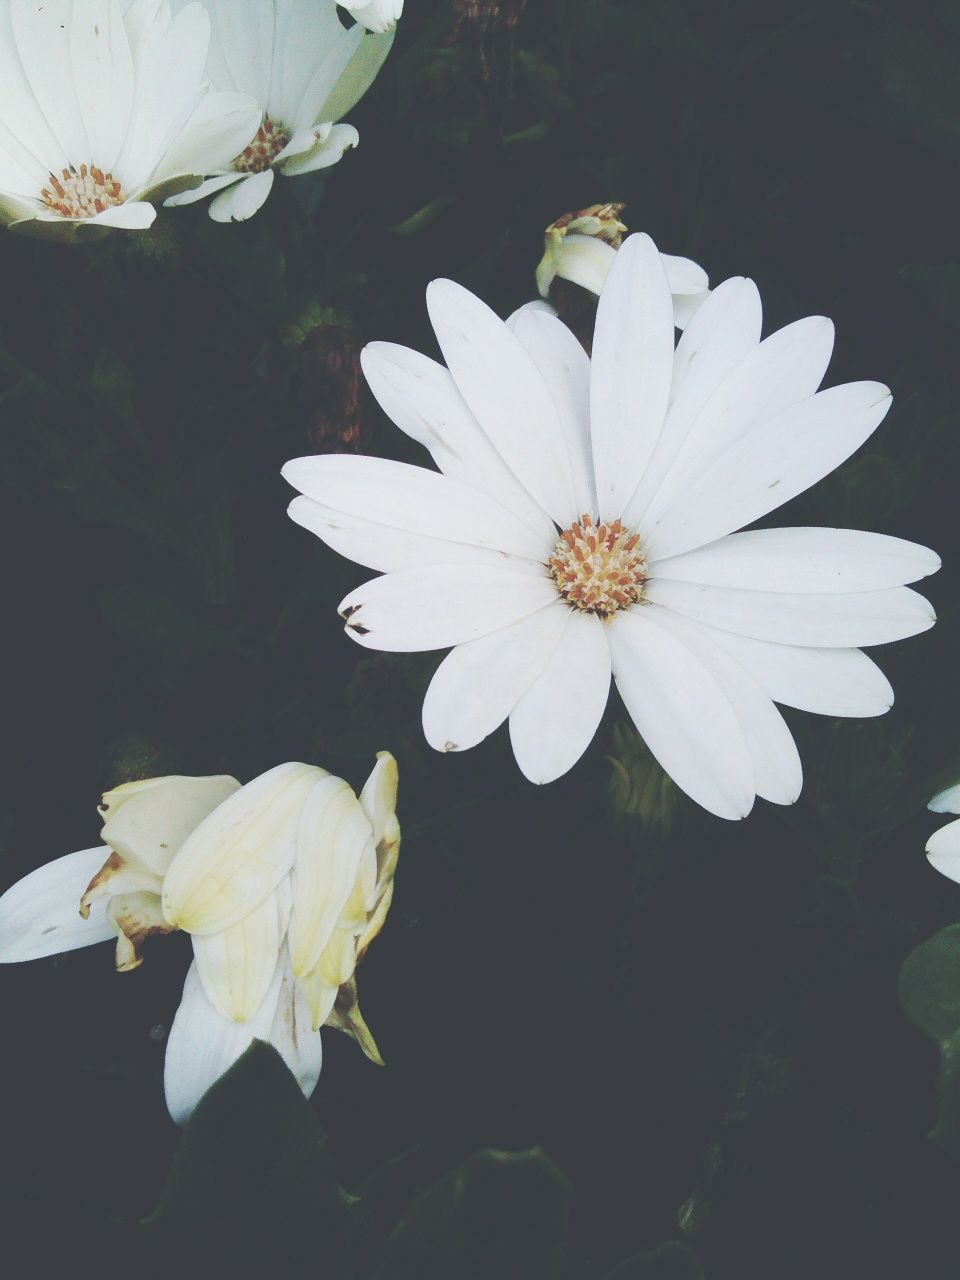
x=136, y=215
x=421, y=397
x=946, y=801
x=307, y=35
x=26, y=136
x=584, y=260
x=822, y=561
x=413, y=500
x=102, y=76
x=826, y=682
x=505, y=391
x=823, y=621
x=147, y=822
x=333, y=837
x=784, y=370
x=368, y=56
x=203, y=1044
x=376, y=15
x=767, y=467
x=327, y=151
x=478, y=684
x=237, y=964
x=242, y=200
x=246, y=44
x=42, y=35
x=725, y=331
x=631, y=371
x=220, y=128
x=686, y=306
x=943, y=850
x=379, y=797
x=380, y=546
x=684, y=276
x=208, y=188
x=565, y=368
x=776, y=762
x=682, y=714
x=40, y=914
x=442, y=606
x=291, y=1035
x=239, y=854
x=555, y=720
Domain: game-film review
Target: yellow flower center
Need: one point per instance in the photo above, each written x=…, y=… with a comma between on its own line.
x=598, y=568
x=82, y=193
x=271, y=138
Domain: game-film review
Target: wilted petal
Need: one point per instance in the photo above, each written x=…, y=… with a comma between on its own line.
x=136, y=917
x=146, y=822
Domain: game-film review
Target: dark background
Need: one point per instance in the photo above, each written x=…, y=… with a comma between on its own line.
x=700, y=1026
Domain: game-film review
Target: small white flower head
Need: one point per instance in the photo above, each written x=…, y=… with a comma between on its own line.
x=306, y=70
x=943, y=847
x=104, y=113
x=583, y=524
x=376, y=15
x=283, y=884
x=580, y=247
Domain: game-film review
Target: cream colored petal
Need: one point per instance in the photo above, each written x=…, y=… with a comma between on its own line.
x=147, y=822
x=238, y=964
x=379, y=798
x=319, y=997
x=334, y=843
x=346, y=1016
x=240, y=853
x=116, y=877
x=136, y=917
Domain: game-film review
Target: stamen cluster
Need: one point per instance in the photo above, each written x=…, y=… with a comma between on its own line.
x=82, y=193
x=271, y=139
x=598, y=568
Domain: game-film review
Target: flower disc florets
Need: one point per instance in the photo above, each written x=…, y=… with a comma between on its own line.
x=271, y=139
x=82, y=193
x=599, y=568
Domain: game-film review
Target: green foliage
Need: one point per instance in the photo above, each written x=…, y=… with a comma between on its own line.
x=930, y=994
x=672, y=1261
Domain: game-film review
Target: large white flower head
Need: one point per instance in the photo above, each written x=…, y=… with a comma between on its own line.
x=306, y=70
x=282, y=884
x=584, y=524
x=104, y=113
x=943, y=847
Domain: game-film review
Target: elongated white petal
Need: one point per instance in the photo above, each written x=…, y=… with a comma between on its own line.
x=147, y=822
x=821, y=561
x=293, y=1037
x=135, y=215
x=421, y=397
x=823, y=621
x=506, y=393
x=631, y=371
x=565, y=368
x=103, y=76
x=383, y=547
x=367, y=56
x=203, y=1044
x=333, y=836
x=219, y=129
x=682, y=714
x=723, y=333
x=376, y=15
x=42, y=35
x=245, y=44
x=827, y=682
x=478, y=684
x=784, y=370
x=412, y=500
x=555, y=720
x=328, y=148
x=440, y=606
x=40, y=914
x=946, y=801
x=208, y=188
x=379, y=798
x=240, y=853
x=242, y=200
x=943, y=850
x=777, y=770
x=767, y=467
x=684, y=276
x=237, y=964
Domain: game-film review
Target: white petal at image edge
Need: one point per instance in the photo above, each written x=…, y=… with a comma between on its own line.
x=40, y=914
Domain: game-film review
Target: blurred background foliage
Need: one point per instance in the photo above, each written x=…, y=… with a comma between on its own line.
x=624, y=1039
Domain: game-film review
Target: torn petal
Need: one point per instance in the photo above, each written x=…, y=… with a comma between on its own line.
x=136, y=917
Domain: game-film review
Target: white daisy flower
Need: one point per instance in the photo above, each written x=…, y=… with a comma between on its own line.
x=282, y=884
x=580, y=247
x=584, y=525
x=375, y=15
x=103, y=114
x=306, y=71
x=943, y=847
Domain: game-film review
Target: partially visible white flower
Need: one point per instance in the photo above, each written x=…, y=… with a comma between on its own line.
x=580, y=247
x=943, y=847
x=375, y=15
x=585, y=526
x=282, y=883
x=306, y=71
x=103, y=114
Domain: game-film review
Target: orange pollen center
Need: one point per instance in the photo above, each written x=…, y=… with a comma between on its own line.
x=598, y=568
x=82, y=193
x=271, y=138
